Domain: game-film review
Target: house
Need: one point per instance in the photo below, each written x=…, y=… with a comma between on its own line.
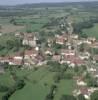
x=40, y=60
x=85, y=55
x=50, y=42
x=56, y=58
x=91, y=39
x=30, y=54
x=60, y=40
x=85, y=92
x=72, y=60
x=87, y=42
x=95, y=58
x=67, y=52
x=94, y=45
x=15, y=62
x=49, y=52
x=30, y=40
x=77, y=61
x=25, y=41
x=74, y=36
x=78, y=42
x=4, y=59
x=95, y=72
x=80, y=82
x=37, y=48
x=33, y=57
x=92, y=69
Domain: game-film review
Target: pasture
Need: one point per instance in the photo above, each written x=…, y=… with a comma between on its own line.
x=38, y=84
x=92, y=32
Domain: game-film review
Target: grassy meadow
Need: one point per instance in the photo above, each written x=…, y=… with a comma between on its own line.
x=92, y=32
x=38, y=84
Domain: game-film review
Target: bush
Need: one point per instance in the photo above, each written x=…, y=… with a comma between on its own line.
x=54, y=66
x=81, y=97
x=3, y=88
x=18, y=85
x=68, y=97
x=68, y=75
x=50, y=96
x=94, y=96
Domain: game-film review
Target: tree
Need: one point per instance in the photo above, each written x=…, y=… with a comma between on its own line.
x=76, y=69
x=1, y=47
x=54, y=66
x=94, y=96
x=68, y=75
x=57, y=77
x=10, y=44
x=3, y=88
x=12, y=21
x=18, y=85
x=81, y=97
x=83, y=35
x=68, y=97
x=82, y=47
x=50, y=96
x=92, y=82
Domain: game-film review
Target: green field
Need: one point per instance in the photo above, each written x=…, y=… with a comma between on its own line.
x=39, y=81
x=35, y=90
x=92, y=32
x=4, y=43
x=35, y=87
x=6, y=80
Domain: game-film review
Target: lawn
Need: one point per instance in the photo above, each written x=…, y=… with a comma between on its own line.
x=6, y=80
x=38, y=86
x=65, y=87
x=35, y=23
x=1, y=94
x=35, y=86
x=4, y=38
x=93, y=32
x=31, y=91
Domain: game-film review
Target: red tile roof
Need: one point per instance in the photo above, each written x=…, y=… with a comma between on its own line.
x=30, y=52
x=56, y=57
x=84, y=90
x=68, y=52
x=60, y=39
x=73, y=59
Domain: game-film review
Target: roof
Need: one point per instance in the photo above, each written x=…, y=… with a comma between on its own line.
x=69, y=52
x=56, y=57
x=95, y=57
x=73, y=59
x=30, y=52
x=60, y=39
x=94, y=45
x=16, y=62
x=84, y=90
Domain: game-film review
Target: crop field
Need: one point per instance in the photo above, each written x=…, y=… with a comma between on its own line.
x=9, y=28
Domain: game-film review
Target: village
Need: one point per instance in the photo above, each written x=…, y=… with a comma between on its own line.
x=71, y=50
